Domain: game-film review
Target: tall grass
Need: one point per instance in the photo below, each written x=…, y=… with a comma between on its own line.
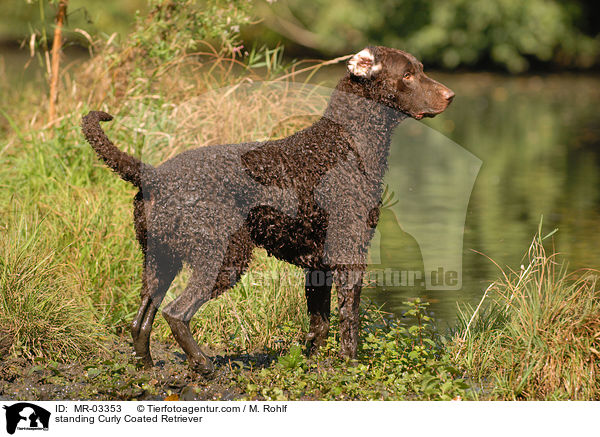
x=42, y=313
x=537, y=334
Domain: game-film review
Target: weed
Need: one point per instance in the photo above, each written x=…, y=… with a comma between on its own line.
x=70, y=265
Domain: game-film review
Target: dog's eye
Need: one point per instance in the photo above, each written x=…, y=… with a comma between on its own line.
x=407, y=75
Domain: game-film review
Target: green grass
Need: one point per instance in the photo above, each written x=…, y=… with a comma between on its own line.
x=537, y=334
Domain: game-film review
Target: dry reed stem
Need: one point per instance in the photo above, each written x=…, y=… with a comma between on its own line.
x=56, y=46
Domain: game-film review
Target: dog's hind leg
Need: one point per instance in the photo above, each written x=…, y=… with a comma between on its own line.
x=181, y=331
x=207, y=281
x=157, y=278
x=318, y=299
x=141, y=340
x=180, y=311
x=136, y=325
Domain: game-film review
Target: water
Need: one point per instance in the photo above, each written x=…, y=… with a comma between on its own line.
x=538, y=142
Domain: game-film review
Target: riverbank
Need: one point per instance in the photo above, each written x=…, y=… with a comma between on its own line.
x=396, y=362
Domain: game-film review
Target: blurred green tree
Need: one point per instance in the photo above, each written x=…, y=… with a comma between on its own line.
x=511, y=34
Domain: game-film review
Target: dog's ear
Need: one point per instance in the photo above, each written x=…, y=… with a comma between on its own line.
x=363, y=64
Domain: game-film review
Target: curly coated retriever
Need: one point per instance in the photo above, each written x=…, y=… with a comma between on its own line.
x=311, y=199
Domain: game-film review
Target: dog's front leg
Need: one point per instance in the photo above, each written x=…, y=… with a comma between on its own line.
x=349, y=284
x=318, y=299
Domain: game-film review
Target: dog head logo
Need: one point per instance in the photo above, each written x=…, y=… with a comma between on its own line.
x=26, y=416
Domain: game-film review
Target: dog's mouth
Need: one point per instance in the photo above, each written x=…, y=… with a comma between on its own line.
x=430, y=113
x=439, y=106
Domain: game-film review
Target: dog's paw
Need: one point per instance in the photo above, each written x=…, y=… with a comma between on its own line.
x=205, y=367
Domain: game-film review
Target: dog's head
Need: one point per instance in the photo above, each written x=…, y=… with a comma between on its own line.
x=396, y=79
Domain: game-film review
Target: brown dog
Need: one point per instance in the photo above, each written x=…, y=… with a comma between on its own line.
x=311, y=199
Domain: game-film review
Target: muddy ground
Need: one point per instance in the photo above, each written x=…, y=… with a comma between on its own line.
x=122, y=378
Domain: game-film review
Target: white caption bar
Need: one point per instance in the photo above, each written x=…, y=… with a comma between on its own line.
x=74, y=418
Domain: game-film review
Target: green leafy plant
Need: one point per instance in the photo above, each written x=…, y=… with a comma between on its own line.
x=294, y=359
x=395, y=362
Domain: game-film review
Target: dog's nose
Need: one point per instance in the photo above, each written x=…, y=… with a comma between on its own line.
x=447, y=94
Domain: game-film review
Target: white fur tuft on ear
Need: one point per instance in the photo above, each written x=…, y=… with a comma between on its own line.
x=363, y=64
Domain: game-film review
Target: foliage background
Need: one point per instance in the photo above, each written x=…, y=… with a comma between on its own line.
x=509, y=35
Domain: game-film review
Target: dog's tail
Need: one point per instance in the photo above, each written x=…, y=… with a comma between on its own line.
x=128, y=167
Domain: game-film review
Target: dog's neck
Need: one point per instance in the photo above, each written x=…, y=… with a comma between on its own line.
x=368, y=124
